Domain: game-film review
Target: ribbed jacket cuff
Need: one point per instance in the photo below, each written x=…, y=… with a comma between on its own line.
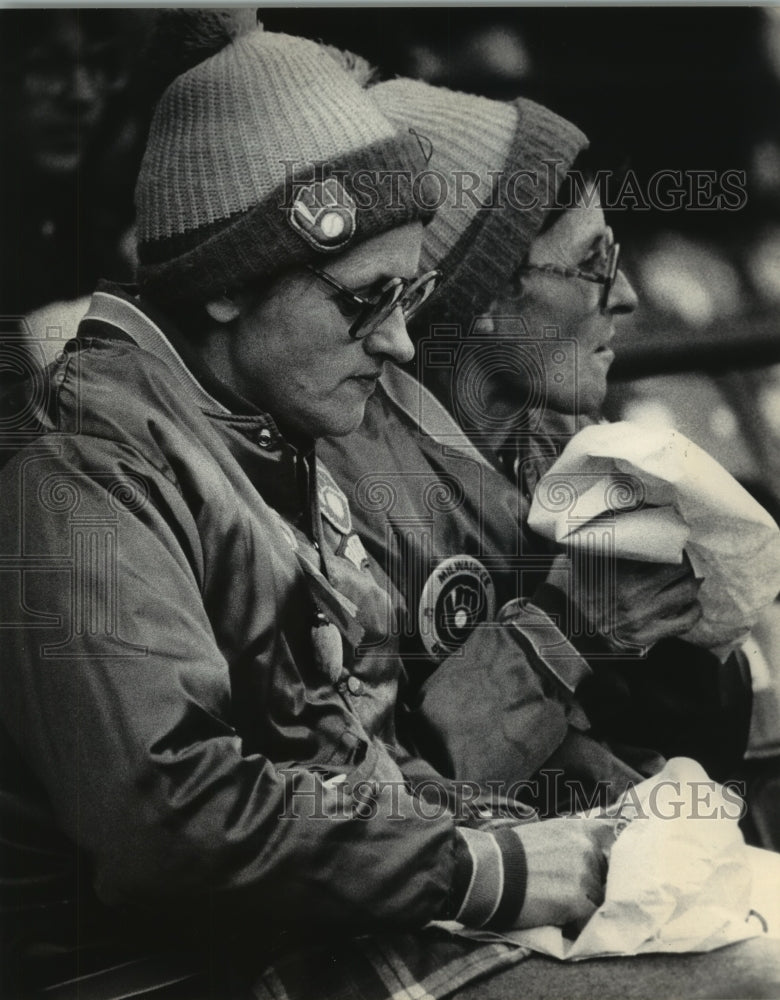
x=497, y=876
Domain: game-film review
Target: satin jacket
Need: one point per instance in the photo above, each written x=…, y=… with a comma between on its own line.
x=194, y=660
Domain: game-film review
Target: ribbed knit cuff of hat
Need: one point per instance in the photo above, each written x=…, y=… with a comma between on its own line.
x=492, y=875
x=387, y=181
x=489, y=250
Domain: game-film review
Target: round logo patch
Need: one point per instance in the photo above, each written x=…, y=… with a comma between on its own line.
x=457, y=596
x=324, y=214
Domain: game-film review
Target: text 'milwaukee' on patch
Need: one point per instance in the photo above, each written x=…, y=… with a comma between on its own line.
x=457, y=596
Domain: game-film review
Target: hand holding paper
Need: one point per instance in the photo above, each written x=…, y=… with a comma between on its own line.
x=679, y=876
x=679, y=879
x=629, y=602
x=645, y=494
x=567, y=865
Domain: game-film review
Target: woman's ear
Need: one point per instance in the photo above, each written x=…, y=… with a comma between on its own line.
x=222, y=310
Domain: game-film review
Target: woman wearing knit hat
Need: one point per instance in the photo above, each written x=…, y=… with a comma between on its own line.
x=533, y=219
x=197, y=734
x=446, y=524
x=493, y=159
x=541, y=266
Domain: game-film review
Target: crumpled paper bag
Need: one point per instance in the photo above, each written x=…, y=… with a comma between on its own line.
x=679, y=876
x=651, y=494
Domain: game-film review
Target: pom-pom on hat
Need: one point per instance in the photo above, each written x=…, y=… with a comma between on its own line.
x=500, y=167
x=263, y=154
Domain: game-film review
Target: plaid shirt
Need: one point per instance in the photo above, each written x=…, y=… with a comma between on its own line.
x=425, y=965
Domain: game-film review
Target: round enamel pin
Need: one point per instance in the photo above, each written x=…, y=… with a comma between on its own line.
x=457, y=596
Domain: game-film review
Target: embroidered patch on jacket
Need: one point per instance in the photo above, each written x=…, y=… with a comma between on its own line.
x=457, y=596
x=333, y=502
x=324, y=214
x=354, y=550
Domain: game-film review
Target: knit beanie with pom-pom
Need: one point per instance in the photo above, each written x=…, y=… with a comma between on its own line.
x=501, y=165
x=263, y=154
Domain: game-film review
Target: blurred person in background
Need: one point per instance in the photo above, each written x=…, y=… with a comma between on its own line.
x=70, y=154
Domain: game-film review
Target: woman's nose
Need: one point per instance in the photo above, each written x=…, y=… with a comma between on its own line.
x=391, y=338
x=622, y=297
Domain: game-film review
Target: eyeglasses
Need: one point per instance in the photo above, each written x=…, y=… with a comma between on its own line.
x=51, y=71
x=406, y=294
x=607, y=278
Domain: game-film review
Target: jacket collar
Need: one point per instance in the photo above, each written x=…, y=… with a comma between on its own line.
x=113, y=306
x=116, y=306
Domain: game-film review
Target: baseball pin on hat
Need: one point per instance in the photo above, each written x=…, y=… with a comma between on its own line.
x=324, y=214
